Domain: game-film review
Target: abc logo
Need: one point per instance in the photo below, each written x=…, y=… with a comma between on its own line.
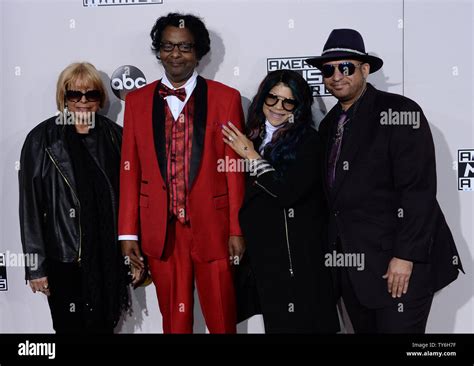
x=125, y=79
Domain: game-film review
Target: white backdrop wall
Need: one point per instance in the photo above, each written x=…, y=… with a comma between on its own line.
x=428, y=51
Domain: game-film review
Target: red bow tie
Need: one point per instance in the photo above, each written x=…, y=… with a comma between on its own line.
x=165, y=92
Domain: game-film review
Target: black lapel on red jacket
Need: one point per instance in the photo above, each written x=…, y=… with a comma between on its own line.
x=159, y=133
x=199, y=127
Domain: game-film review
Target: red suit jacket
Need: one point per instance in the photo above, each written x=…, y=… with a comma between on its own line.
x=214, y=198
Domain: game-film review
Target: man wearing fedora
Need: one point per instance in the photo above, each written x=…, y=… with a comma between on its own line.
x=380, y=182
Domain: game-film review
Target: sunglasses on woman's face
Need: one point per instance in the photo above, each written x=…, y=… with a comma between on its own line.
x=346, y=68
x=76, y=95
x=287, y=104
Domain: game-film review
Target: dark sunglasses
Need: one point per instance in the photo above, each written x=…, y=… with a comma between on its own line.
x=346, y=68
x=287, y=104
x=76, y=95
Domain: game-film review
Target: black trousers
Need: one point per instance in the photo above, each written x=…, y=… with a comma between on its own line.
x=402, y=317
x=66, y=300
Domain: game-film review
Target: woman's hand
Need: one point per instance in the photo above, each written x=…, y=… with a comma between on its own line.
x=239, y=142
x=138, y=276
x=41, y=285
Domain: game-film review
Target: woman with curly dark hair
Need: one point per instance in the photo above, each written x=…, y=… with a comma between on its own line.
x=283, y=216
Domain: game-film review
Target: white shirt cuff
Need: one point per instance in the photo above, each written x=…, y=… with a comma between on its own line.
x=128, y=237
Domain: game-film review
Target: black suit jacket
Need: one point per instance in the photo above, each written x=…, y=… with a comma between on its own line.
x=383, y=203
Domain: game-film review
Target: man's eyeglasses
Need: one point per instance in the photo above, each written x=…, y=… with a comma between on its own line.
x=287, y=104
x=183, y=47
x=76, y=95
x=346, y=68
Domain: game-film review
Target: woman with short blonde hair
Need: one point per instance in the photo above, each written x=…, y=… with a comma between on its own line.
x=83, y=72
x=69, y=190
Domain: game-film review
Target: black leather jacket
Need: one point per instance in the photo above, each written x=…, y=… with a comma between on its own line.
x=49, y=207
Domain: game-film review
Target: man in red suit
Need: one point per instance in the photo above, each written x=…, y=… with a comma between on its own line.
x=175, y=204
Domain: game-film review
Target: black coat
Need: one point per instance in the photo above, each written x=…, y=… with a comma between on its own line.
x=284, y=220
x=383, y=203
x=48, y=190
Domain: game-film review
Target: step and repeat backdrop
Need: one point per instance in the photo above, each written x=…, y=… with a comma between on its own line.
x=427, y=48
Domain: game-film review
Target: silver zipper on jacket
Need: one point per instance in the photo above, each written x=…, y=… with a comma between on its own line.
x=288, y=244
x=266, y=190
x=78, y=203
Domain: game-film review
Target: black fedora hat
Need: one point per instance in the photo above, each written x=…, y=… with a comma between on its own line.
x=345, y=44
